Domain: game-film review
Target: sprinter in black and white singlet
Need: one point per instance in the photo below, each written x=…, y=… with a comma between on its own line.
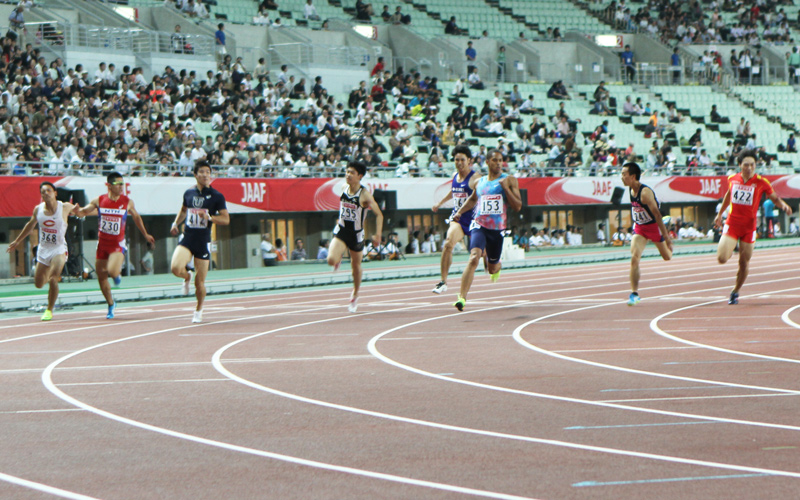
x=51, y=217
x=348, y=235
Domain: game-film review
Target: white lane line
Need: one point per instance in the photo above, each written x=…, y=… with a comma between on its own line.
x=622, y=349
x=126, y=382
x=731, y=396
x=50, y=490
x=54, y=389
x=54, y=410
x=656, y=329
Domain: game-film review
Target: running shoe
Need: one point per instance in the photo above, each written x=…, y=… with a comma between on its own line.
x=734, y=299
x=117, y=280
x=633, y=299
x=197, y=317
x=48, y=315
x=440, y=287
x=187, y=284
x=111, y=308
x=494, y=277
x=460, y=303
x=353, y=305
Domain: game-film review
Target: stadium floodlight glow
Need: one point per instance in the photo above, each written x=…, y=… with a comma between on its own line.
x=608, y=40
x=128, y=13
x=366, y=30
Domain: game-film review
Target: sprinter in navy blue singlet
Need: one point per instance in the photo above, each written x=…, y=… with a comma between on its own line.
x=202, y=206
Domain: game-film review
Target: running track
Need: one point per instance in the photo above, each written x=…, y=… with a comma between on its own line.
x=547, y=386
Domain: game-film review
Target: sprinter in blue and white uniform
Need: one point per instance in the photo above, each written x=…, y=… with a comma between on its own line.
x=461, y=188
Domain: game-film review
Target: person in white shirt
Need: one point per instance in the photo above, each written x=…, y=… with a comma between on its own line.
x=601, y=234
x=310, y=12
x=400, y=109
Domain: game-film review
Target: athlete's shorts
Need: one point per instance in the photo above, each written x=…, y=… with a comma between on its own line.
x=464, y=222
x=44, y=255
x=489, y=240
x=649, y=231
x=104, y=250
x=353, y=239
x=200, y=248
x=738, y=233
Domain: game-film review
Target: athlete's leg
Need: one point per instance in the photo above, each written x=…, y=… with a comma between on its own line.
x=101, y=265
x=355, y=264
x=664, y=250
x=638, y=242
x=455, y=233
x=469, y=272
x=336, y=251
x=41, y=274
x=115, y=261
x=745, y=252
x=725, y=248
x=201, y=270
x=180, y=257
x=56, y=266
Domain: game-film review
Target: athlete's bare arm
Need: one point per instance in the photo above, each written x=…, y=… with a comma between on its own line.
x=89, y=209
x=367, y=201
x=448, y=196
x=25, y=231
x=223, y=218
x=137, y=219
x=178, y=219
x=649, y=200
x=511, y=187
x=780, y=203
x=725, y=202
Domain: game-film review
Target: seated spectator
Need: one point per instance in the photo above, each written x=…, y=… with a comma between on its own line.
x=452, y=28
x=475, y=80
x=385, y=14
x=619, y=238
x=716, y=117
x=268, y=4
x=791, y=144
x=793, y=228
x=528, y=107
x=696, y=139
x=310, y=12
x=558, y=91
x=363, y=11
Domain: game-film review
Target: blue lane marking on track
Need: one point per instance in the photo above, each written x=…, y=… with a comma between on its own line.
x=584, y=484
x=712, y=362
x=581, y=427
x=663, y=389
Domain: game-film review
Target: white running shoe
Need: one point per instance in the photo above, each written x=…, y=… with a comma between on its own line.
x=353, y=306
x=187, y=285
x=440, y=287
x=197, y=317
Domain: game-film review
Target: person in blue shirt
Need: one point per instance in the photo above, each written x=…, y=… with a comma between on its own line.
x=471, y=56
x=675, y=62
x=629, y=62
x=219, y=38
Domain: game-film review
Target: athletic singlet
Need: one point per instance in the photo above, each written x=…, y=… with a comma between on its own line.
x=111, y=217
x=639, y=212
x=211, y=201
x=52, y=228
x=491, y=211
x=461, y=193
x=351, y=213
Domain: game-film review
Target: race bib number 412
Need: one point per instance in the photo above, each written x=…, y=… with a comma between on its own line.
x=743, y=195
x=195, y=219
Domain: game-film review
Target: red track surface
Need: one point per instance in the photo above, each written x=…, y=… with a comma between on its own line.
x=547, y=386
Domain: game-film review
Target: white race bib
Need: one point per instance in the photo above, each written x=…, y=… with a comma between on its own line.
x=110, y=224
x=743, y=195
x=640, y=215
x=348, y=212
x=195, y=219
x=491, y=204
x=459, y=199
x=48, y=237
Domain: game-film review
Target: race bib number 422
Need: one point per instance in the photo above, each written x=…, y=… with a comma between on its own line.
x=743, y=195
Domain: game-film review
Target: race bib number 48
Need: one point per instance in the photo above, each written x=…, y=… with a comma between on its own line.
x=195, y=219
x=743, y=195
x=491, y=204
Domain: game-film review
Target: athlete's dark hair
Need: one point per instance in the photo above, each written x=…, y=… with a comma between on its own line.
x=47, y=183
x=493, y=152
x=112, y=176
x=464, y=150
x=358, y=167
x=634, y=169
x=200, y=164
x=747, y=152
